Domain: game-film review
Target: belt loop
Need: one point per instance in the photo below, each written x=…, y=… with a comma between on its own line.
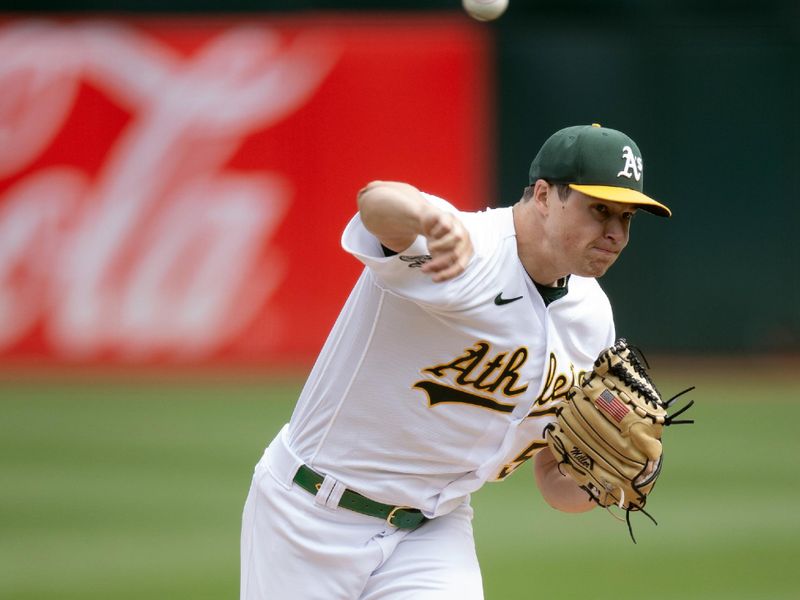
x=335, y=495
x=325, y=490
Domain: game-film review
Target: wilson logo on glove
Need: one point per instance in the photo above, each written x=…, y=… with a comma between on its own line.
x=581, y=458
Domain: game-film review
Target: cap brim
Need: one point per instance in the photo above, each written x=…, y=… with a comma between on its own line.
x=624, y=196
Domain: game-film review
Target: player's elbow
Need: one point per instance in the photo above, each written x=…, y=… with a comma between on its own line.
x=375, y=205
x=391, y=211
x=558, y=490
x=373, y=195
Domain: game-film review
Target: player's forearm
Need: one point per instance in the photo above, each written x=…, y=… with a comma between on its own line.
x=393, y=212
x=558, y=490
x=396, y=213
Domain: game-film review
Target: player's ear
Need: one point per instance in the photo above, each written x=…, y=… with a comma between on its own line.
x=540, y=199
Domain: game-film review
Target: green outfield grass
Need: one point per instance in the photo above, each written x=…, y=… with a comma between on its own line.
x=121, y=489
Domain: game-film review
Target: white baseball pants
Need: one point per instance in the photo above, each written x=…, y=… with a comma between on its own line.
x=297, y=546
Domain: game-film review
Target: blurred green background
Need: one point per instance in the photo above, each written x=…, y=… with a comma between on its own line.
x=118, y=488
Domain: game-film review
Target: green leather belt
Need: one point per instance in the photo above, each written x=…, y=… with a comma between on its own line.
x=402, y=517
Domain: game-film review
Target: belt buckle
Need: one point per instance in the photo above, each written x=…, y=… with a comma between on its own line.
x=391, y=515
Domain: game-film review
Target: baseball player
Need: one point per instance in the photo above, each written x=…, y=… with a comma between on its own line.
x=441, y=373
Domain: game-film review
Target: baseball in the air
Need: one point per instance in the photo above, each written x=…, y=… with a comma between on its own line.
x=485, y=10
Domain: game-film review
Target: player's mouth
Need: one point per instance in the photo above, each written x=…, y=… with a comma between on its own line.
x=605, y=251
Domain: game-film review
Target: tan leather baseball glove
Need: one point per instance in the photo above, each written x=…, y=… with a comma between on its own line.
x=607, y=435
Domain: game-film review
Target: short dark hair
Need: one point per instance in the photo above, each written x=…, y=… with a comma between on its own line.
x=562, y=189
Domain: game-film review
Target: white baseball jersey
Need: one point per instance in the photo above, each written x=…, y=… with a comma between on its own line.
x=424, y=391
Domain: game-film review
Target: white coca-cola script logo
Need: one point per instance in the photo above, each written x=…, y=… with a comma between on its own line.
x=161, y=252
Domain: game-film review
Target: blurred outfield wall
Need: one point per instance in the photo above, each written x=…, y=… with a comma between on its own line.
x=709, y=90
x=173, y=190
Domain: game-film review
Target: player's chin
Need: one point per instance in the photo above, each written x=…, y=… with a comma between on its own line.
x=598, y=266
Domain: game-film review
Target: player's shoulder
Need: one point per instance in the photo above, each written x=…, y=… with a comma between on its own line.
x=588, y=288
x=587, y=314
x=501, y=217
x=487, y=226
x=439, y=202
x=589, y=284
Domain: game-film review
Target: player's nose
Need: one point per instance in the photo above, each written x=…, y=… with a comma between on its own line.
x=616, y=230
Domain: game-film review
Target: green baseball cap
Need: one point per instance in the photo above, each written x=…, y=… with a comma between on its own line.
x=597, y=161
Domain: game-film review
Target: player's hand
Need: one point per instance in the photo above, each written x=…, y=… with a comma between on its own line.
x=449, y=244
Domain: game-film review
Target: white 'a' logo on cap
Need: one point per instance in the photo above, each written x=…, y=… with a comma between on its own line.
x=633, y=164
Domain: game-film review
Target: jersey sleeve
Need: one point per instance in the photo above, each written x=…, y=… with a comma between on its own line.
x=401, y=273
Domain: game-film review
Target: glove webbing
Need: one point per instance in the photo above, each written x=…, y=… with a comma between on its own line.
x=634, y=357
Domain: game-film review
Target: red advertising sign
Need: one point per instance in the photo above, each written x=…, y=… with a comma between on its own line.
x=174, y=190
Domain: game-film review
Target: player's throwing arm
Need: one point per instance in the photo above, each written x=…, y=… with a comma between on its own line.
x=396, y=213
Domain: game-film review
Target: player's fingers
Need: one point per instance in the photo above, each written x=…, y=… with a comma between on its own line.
x=449, y=245
x=455, y=238
x=440, y=262
x=440, y=230
x=450, y=264
x=443, y=245
x=450, y=271
x=437, y=226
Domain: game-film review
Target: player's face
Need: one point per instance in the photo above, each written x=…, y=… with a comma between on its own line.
x=591, y=233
